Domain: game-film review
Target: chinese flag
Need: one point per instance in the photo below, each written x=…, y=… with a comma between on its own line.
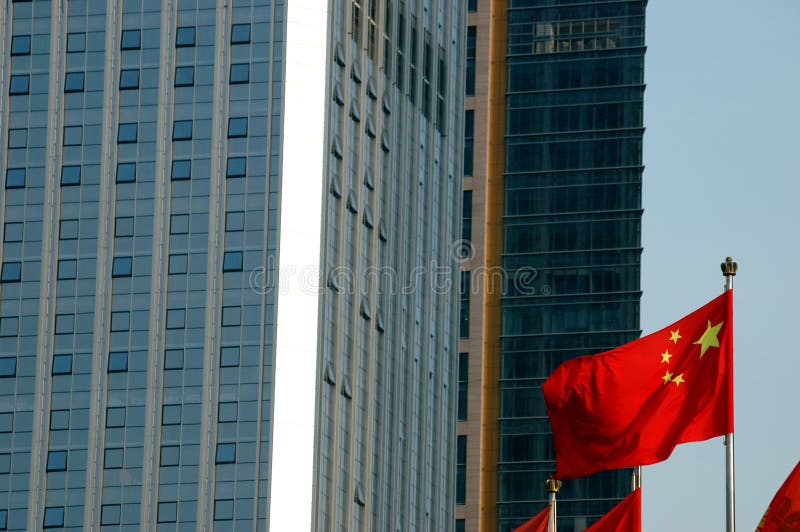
x=783, y=513
x=632, y=405
x=538, y=522
x=624, y=517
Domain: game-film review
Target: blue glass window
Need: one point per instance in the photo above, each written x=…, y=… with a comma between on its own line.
x=76, y=42
x=123, y=267
x=115, y=416
x=182, y=130
x=13, y=231
x=110, y=514
x=53, y=517
x=229, y=356
x=113, y=458
x=120, y=321
x=461, y=469
x=223, y=509
x=472, y=6
x=170, y=455
x=171, y=414
x=167, y=512
x=237, y=167
x=8, y=367
x=70, y=175
x=73, y=135
x=21, y=45
x=234, y=221
x=231, y=316
x=173, y=359
x=57, y=461
x=65, y=323
x=12, y=272
x=472, y=39
x=117, y=361
x=15, y=178
x=73, y=82
x=232, y=261
x=181, y=170
x=67, y=269
x=240, y=34
x=3, y=519
x=131, y=40
x=184, y=76
x=68, y=229
x=20, y=84
x=62, y=364
x=179, y=224
x=237, y=127
x=18, y=138
x=123, y=226
x=176, y=318
x=177, y=263
x=227, y=412
x=127, y=132
x=126, y=172
x=226, y=453
x=240, y=73
x=184, y=36
x=129, y=79
x=59, y=419
x=9, y=326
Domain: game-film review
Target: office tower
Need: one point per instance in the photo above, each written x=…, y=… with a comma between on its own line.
x=552, y=206
x=226, y=229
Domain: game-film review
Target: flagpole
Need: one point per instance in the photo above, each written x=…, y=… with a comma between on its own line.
x=636, y=478
x=729, y=270
x=553, y=486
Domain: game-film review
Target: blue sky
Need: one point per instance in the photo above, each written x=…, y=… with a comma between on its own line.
x=722, y=177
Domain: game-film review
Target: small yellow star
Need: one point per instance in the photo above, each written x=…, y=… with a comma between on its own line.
x=667, y=377
x=665, y=356
x=674, y=336
x=678, y=380
x=709, y=338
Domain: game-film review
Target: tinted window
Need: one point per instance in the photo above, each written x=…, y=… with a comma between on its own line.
x=240, y=34
x=185, y=36
x=131, y=40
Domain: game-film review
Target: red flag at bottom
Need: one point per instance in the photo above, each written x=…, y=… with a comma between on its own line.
x=538, y=522
x=783, y=513
x=624, y=517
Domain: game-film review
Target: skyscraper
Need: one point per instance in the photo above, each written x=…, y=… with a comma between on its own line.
x=552, y=207
x=226, y=246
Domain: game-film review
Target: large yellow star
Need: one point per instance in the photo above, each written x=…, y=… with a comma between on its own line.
x=678, y=380
x=675, y=336
x=665, y=356
x=667, y=377
x=709, y=338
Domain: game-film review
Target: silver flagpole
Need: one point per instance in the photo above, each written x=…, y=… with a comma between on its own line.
x=729, y=270
x=553, y=486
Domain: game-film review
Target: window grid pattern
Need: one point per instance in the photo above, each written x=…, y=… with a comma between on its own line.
x=573, y=211
x=388, y=165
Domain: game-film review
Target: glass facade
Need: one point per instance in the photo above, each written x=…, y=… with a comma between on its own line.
x=126, y=252
x=141, y=143
x=387, y=410
x=572, y=213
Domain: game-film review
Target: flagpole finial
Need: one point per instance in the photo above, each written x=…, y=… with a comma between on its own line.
x=553, y=485
x=729, y=267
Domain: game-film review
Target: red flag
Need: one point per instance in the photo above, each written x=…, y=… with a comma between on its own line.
x=538, y=522
x=783, y=513
x=624, y=517
x=632, y=405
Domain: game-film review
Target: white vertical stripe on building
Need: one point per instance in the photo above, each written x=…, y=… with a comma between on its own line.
x=299, y=266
